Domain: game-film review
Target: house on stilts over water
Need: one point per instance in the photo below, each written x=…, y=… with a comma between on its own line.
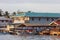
x=34, y=22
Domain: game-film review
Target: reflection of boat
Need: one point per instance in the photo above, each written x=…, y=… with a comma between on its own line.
x=31, y=32
x=21, y=32
x=24, y=32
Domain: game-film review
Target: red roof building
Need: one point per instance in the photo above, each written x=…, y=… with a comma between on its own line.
x=56, y=22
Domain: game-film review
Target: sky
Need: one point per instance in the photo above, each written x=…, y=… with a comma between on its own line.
x=30, y=5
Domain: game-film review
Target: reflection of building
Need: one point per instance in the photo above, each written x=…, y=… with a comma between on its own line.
x=35, y=20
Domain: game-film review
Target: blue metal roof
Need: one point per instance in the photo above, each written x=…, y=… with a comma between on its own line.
x=34, y=14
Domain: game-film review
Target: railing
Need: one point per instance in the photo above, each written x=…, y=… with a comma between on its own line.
x=32, y=28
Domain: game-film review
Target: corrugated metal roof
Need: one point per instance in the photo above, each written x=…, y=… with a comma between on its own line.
x=34, y=14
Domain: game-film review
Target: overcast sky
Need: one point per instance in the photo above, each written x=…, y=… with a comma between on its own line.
x=32, y=5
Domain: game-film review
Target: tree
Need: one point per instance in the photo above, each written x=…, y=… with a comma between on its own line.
x=7, y=14
x=1, y=12
x=29, y=11
x=14, y=13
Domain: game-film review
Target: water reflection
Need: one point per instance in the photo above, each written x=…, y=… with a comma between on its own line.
x=28, y=37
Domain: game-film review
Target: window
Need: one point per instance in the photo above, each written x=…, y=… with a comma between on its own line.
x=39, y=19
x=11, y=21
x=52, y=19
x=2, y=20
x=47, y=19
x=56, y=18
x=6, y=20
x=32, y=19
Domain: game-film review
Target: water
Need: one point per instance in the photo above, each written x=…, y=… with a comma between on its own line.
x=30, y=37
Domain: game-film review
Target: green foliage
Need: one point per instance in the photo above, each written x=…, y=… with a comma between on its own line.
x=14, y=13
x=7, y=14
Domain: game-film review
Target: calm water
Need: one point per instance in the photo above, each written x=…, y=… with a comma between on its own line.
x=31, y=37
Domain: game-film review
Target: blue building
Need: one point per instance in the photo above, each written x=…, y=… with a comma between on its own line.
x=34, y=18
x=34, y=21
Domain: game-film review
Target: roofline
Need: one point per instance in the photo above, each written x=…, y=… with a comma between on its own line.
x=34, y=25
x=24, y=14
x=35, y=16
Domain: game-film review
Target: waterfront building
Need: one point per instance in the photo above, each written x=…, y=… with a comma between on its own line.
x=34, y=21
x=56, y=30
x=56, y=22
x=4, y=22
x=35, y=18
